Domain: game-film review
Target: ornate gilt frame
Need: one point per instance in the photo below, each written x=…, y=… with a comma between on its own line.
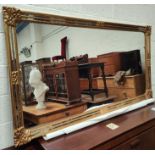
x=11, y=17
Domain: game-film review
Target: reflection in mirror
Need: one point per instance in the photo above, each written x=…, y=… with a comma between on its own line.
x=70, y=61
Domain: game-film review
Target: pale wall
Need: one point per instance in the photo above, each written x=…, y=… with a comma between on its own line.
x=137, y=14
x=92, y=41
x=79, y=41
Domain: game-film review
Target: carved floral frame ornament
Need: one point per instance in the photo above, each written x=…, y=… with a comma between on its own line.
x=11, y=17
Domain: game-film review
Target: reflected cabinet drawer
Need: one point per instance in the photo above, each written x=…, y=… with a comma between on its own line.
x=55, y=115
x=62, y=114
x=134, y=85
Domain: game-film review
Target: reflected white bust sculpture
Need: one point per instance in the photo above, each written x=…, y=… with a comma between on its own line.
x=40, y=88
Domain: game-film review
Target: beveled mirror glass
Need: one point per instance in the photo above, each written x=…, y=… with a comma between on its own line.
x=33, y=39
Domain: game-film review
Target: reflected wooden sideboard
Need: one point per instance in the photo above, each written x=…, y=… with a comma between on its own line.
x=53, y=111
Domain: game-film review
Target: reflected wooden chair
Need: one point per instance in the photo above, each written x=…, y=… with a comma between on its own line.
x=63, y=50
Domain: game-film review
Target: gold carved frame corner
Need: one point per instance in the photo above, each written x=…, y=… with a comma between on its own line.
x=11, y=16
x=22, y=136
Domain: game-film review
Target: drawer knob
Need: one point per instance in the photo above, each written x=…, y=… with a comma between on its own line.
x=125, y=95
x=67, y=113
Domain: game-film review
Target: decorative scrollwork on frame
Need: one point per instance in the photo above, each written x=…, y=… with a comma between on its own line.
x=100, y=23
x=11, y=15
x=147, y=30
x=148, y=93
x=14, y=77
x=148, y=62
x=22, y=136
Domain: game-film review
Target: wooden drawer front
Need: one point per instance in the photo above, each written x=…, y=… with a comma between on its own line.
x=144, y=141
x=122, y=93
x=130, y=82
x=76, y=110
x=62, y=114
x=84, y=84
x=133, y=86
x=50, y=118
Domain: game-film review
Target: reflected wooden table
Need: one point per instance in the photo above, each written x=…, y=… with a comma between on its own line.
x=85, y=72
x=54, y=111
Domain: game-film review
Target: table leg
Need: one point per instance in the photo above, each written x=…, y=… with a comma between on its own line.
x=104, y=81
x=90, y=85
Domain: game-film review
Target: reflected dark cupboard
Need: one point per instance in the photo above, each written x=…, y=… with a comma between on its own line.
x=121, y=61
x=26, y=90
x=63, y=81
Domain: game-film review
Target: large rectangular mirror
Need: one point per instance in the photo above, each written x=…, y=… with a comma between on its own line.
x=61, y=66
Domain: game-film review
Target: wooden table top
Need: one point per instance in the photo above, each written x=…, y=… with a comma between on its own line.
x=51, y=107
x=93, y=136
